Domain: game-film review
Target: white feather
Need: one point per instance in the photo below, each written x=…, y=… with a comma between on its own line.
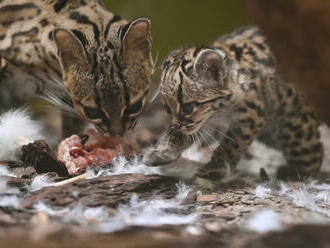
x=265, y=221
x=11, y=201
x=310, y=195
x=39, y=182
x=262, y=191
x=5, y=172
x=17, y=129
x=5, y=189
x=137, y=212
x=123, y=166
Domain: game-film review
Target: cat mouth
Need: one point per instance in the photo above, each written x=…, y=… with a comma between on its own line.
x=189, y=130
x=192, y=128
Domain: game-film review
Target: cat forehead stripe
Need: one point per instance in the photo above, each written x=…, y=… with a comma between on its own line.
x=83, y=60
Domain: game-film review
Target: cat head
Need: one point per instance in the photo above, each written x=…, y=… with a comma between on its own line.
x=194, y=86
x=108, y=78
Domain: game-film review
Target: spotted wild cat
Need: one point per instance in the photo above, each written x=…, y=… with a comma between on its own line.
x=229, y=93
x=78, y=51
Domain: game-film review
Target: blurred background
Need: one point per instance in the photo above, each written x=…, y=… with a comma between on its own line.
x=297, y=30
x=178, y=23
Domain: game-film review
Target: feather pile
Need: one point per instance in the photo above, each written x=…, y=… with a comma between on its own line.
x=17, y=129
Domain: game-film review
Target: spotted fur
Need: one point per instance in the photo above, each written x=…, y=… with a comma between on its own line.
x=229, y=93
x=77, y=48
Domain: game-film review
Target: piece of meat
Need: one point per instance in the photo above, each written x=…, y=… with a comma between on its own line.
x=92, y=150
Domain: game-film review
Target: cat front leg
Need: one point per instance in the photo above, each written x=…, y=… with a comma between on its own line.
x=234, y=145
x=168, y=149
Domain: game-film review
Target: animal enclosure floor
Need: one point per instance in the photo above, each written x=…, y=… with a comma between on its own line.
x=135, y=206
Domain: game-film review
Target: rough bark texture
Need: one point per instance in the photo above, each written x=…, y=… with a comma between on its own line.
x=222, y=213
x=108, y=191
x=299, y=33
x=297, y=236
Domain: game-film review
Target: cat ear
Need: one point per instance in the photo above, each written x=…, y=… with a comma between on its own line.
x=137, y=43
x=69, y=48
x=210, y=67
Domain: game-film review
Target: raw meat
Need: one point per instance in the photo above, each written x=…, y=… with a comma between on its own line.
x=92, y=150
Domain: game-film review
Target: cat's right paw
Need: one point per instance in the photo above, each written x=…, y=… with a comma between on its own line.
x=156, y=158
x=205, y=183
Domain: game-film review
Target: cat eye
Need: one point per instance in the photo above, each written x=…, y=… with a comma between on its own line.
x=93, y=113
x=187, y=108
x=167, y=109
x=134, y=108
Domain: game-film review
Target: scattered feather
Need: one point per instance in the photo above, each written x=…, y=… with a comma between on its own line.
x=39, y=182
x=307, y=195
x=263, y=192
x=151, y=212
x=265, y=221
x=10, y=201
x=194, y=230
x=5, y=172
x=42, y=207
x=5, y=189
x=17, y=129
x=123, y=166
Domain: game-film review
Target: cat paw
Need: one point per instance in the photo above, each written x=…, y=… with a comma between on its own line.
x=156, y=158
x=205, y=183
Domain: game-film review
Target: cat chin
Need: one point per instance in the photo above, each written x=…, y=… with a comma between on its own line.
x=189, y=132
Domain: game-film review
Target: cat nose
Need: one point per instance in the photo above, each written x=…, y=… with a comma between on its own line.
x=116, y=129
x=117, y=133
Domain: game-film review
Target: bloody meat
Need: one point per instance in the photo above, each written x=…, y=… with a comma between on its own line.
x=92, y=150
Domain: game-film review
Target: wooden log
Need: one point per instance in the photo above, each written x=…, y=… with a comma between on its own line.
x=108, y=191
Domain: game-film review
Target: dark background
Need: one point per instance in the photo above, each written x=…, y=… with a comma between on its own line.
x=298, y=32
x=178, y=23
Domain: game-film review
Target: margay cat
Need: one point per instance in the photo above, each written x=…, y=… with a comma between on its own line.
x=230, y=93
x=76, y=48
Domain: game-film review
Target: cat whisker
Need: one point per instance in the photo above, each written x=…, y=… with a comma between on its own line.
x=223, y=134
x=203, y=140
x=200, y=139
x=56, y=104
x=210, y=140
x=193, y=138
